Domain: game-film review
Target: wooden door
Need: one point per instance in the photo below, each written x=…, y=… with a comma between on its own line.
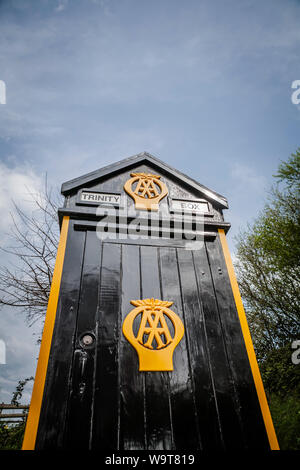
x=102, y=400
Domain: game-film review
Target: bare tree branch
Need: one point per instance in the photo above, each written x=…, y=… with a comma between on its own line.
x=34, y=237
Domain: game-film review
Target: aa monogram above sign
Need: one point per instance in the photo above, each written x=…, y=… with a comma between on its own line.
x=146, y=190
x=154, y=342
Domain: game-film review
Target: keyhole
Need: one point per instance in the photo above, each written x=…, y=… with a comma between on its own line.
x=87, y=340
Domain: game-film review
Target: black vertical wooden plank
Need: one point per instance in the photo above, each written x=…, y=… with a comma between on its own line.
x=132, y=428
x=106, y=394
x=81, y=393
x=158, y=418
x=255, y=435
x=207, y=412
x=225, y=393
x=184, y=419
x=54, y=405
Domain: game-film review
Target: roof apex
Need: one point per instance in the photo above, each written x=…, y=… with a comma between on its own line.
x=131, y=162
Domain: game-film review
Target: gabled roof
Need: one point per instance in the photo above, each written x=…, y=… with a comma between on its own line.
x=131, y=162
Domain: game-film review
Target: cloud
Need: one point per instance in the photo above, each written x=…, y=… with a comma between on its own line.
x=21, y=353
x=102, y=73
x=246, y=194
x=247, y=179
x=16, y=184
x=91, y=82
x=62, y=5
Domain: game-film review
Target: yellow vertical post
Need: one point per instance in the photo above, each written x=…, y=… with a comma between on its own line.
x=249, y=345
x=40, y=376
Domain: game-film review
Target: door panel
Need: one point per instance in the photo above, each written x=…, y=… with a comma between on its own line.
x=224, y=389
x=82, y=384
x=207, y=412
x=106, y=403
x=105, y=432
x=252, y=426
x=53, y=415
x=157, y=399
x=132, y=382
x=183, y=411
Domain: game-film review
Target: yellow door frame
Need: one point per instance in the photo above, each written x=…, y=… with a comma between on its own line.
x=41, y=370
x=249, y=345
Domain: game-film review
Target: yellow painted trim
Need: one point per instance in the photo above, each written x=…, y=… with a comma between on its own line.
x=41, y=370
x=249, y=346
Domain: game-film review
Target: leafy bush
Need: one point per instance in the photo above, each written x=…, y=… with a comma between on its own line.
x=11, y=437
x=285, y=412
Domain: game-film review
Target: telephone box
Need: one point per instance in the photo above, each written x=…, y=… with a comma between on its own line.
x=146, y=344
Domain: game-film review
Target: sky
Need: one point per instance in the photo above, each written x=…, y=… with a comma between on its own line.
x=204, y=86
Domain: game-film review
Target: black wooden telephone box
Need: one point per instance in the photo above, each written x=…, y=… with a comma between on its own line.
x=187, y=379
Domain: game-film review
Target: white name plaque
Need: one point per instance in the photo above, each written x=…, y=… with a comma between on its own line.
x=98, y=198
x=183, y=205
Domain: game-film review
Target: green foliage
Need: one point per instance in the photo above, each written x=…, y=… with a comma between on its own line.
x=268, y=264
x=268, y=270
x=280, y=375
x=281, y=380
x=11, y=437
x=285, y=411
x=289, y=172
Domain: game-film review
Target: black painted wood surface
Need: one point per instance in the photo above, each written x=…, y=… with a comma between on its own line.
x=96, y=398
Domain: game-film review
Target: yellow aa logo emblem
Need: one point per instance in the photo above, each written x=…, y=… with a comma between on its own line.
x=154, y=325
x=154, y=342
x=146, y=190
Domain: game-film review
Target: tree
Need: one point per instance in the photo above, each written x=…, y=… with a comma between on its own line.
x=18, y=393
x=11, y=437
x=268, y=269
x=26, y=283
x=268, y=263
x=34, y=236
